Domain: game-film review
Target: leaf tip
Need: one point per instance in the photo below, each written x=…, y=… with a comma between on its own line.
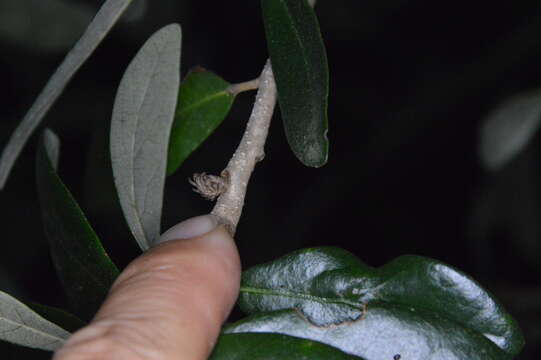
x=51, y=144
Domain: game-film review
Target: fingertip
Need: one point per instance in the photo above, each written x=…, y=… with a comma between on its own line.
x=190, y=228
x=174, y=298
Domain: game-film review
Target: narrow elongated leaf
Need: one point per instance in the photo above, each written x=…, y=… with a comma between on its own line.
x=299, y=63
x=203, y=103
x=413, y=305
x=106, y=17
x=509, y=128
x=142, y=118
x=80, y=260
x=253, y=346
x=20, y=325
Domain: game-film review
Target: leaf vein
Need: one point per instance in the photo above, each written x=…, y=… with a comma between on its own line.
x=295, y=295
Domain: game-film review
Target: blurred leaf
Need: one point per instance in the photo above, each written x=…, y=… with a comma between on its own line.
x=299, y=62
x=136, y=11
x=509, y=128
x=273, y=346
x=203, y=103
x=20, y=325
x=104, y=20
x=142, y=117
x=80, y=260
x=60, y=23
x=60, y=317
x=413, y=306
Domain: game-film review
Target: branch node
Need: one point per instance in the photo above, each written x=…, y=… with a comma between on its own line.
x=210, y=186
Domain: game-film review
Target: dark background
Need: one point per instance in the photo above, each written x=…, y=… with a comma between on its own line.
x=411, y=82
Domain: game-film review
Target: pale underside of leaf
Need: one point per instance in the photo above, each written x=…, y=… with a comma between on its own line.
x=140, y=129
x=329, y=287
x=102, y=23
x=509, y=129
x=381, y=333
x=21, y=325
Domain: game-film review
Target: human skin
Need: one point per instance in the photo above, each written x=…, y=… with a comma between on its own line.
x=169, y=303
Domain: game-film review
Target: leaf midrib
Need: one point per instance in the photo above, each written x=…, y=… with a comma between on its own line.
x=301, y=43
x=144, y=241
x=302, y=296
x=196, y=104
x=31, y=329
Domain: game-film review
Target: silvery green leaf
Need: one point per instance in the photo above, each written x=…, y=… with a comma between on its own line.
x=142, y=117
x=20, y=325
x=106, y=17
x=509, y=128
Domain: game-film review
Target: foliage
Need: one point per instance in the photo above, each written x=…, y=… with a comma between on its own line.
x=414, y=306
x=83, y=265
x=203, y=103
x=321, y=303
x=140, y=128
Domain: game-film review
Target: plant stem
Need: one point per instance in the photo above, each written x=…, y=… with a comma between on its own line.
x=228, y=208
x=250, y=151
x=236, y=89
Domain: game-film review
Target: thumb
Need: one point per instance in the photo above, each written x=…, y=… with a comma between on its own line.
x=169, y=303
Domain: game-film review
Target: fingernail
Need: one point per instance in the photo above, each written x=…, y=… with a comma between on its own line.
x=190, y=228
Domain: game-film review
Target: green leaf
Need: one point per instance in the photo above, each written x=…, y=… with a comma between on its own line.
x=20, y=325
x=203, y=103
x=80, y=260
x=102, y=23
x=414, y=306
x=509, y=128
x=60, y=317
x=252, y=346
x=299, y=63
x=140, y=129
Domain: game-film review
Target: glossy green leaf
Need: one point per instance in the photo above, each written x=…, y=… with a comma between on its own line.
x=253, y=346
x=203, y=103
x=96, y=31
x=142, y=117
x=20, y=325
x=80, y=260
x=509, y=128
x=299, y=63
x=414, y=306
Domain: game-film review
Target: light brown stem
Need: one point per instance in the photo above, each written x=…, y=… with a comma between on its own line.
x=235, y=89
x=250, y=150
